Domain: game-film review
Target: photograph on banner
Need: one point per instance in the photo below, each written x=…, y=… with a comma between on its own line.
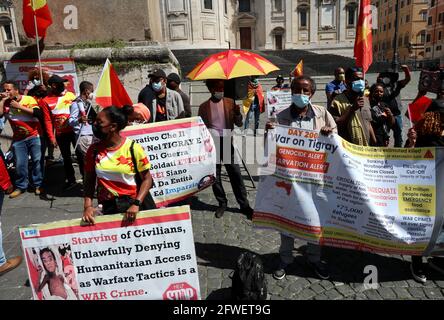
x=328, y=191
x=277, y=101
x=18, y=70
x=52, y=272
x=151, y=259
x=182, y=154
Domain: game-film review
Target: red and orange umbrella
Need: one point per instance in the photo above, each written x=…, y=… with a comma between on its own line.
x=231, y=64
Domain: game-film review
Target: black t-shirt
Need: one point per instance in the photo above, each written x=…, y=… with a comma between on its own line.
x=161, y=114
x=146, y=96
x=392, y=98
x=380, y=124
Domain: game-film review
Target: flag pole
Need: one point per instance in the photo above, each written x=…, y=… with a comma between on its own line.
x=37, y=42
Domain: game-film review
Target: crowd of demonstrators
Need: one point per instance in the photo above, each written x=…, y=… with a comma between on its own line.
x=220, y=115
x=164, y=104
x=304, y=115
x=254, y=104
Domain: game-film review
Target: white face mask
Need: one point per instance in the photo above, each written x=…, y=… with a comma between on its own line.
x=91, y=96
x=218, y=95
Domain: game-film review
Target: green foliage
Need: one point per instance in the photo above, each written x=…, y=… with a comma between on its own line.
x=118, y=44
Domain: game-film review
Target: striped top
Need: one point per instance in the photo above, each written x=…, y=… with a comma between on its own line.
x=114, y=169
x=23, y=125
x=59, y=106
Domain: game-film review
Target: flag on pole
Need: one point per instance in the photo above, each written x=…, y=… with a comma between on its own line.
x=39, y=9
x=109, y=90
x=298, y=70
x=364, y=39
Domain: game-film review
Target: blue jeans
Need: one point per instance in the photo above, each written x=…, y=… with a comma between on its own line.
x=22, y=150
x=257, y=113
x=397, y=131
x=2, y=253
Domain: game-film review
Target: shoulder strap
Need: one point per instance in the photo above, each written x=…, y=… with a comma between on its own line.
x=134, y=160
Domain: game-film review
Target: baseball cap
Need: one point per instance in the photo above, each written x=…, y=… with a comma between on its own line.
x=280, y=77
x=158, y=73
x=55, y=79
x=174, y=77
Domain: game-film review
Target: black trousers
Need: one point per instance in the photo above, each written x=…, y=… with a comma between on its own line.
x=236, y=180
x=65, y=140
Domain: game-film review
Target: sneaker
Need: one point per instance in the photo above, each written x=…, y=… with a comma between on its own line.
x=418, y=272
x=220, y=211
x=69, y=185
x=321, y=269
x=437, y=263
x=279, y=274
x=16, y=193
x=10, y=265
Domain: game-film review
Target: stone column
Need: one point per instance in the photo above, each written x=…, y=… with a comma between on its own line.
x=195, y=21
x=288, y=24
x=267, y=20
x=314, y=20
x=342, y=21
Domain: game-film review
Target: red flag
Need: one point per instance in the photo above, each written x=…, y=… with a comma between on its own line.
x=417, y=109
x=40, y=9
x=109, y=90
x=364, y=39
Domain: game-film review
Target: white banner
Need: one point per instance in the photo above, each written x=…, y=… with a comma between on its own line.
x=152, y=259
x=182, y=156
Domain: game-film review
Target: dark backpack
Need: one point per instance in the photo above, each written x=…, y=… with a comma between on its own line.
x=248, y=282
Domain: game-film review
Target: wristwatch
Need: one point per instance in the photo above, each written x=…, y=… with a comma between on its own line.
x=136, y=202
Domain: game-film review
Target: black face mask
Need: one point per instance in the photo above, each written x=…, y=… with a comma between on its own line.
x=97, y=132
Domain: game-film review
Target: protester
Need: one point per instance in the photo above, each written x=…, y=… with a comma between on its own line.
x=220, y=115
x=335, y=87
x=138, y=113
x=428, y=132
x=164, y=104
x=59, y=101
x=280, y=84
x=352, y=112
x=392, y=90
x=254, y=103
x=382, y=117
x=82, y=114
x=6, y=186
x=173, y=83
x=304, y=115
x=117, y=164
x=46, y=130
x=23, y=113
x=34, y=80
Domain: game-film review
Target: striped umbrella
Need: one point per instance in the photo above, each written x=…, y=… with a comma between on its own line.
x=231, y=64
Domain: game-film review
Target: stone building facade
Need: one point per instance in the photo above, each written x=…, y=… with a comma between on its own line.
x=328, y=25
x=9, y=36
x=434, y=47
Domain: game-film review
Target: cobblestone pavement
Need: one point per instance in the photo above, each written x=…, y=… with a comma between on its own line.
x=219, y=242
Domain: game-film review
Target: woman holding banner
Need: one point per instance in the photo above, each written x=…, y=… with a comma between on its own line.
x=119, y=166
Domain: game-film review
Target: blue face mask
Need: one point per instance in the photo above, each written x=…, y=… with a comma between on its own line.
x=358, y=86
x=157, y=86
x=300, y=100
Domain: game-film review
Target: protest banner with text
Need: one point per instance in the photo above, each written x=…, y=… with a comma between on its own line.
x=17, y=71
x=328, y=191
x=151, y=259
x=277, y=101
x=182, y=156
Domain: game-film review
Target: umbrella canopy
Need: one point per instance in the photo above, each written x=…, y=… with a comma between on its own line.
x=231, y=64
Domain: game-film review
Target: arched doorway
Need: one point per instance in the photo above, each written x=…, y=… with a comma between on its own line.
x=278, y=35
